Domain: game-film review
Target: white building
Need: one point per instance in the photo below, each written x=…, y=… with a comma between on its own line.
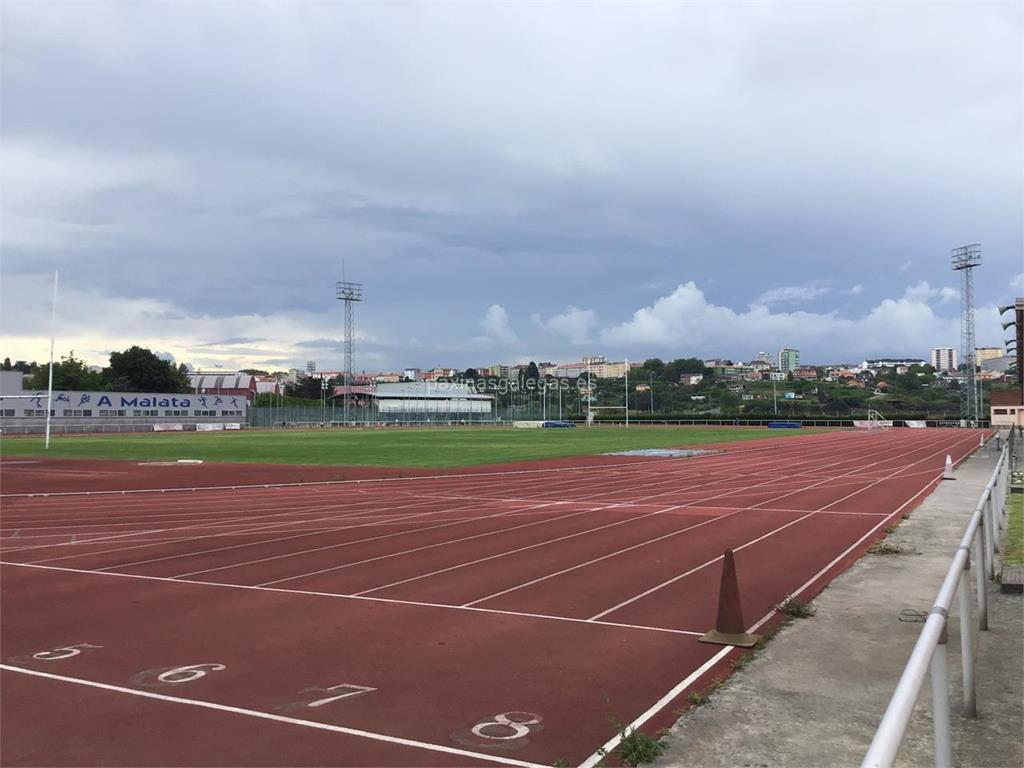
x=427, y=397
x=944, y=359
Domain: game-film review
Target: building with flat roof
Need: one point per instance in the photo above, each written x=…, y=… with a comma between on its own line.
x=944, y=359
x=982, y=354
x=24, y=410
x=423, y=400
x=789, y=359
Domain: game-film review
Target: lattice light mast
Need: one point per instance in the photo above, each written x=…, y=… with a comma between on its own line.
x=964, y=260
x=349, y=293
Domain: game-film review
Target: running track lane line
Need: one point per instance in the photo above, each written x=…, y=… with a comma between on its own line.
x=805, y=514
x=687, y=681
x=341, y=596
x=717, y=451
x=674, y=579
x=692, y=503
x=277, y=718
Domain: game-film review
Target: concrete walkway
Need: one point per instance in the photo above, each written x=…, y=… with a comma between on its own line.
x=815, y=694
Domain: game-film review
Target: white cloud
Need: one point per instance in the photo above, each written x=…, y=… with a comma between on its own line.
x=855, y=290
x=92, y=325
x=574, y=324
x=792, y=293
x=1017, y=283
x=685, y=322
x=922, y=291
x=496, y=324
x=905, y=266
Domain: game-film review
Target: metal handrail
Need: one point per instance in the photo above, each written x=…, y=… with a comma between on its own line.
x=930, y=650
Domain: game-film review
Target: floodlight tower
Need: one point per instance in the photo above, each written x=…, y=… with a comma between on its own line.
x=964, y=260
x=349, y=293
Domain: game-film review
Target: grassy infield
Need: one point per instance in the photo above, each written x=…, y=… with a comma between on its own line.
x=426, y=447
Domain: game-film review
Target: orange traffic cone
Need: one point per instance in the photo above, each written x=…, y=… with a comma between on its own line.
x=729, y=628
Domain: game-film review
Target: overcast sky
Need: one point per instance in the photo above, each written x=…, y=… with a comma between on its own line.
x=509, y=181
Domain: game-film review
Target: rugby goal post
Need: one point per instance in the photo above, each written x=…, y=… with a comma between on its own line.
x=874, y=421
x=591, y=410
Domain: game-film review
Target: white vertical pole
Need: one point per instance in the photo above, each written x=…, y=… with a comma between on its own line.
x=590, y=416
x=970, y=706
x=53, y=334
x=979, y=578
x=940, y=705
x=627, y=393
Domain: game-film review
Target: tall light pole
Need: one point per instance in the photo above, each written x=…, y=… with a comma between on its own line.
x=964, y=260
x=349, y=293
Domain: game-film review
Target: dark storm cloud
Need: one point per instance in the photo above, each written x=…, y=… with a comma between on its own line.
x=459, y=157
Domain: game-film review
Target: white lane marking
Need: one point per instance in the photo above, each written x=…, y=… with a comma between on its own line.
x=276, y=718
x=533, y=506
x=740, y=449
x=805, y=514
x=687, y=681
x=674, y=579
x=400, y=553
x=695, y=502
x=401, y=518
x=616, y=553
x=365, y=518
x=339, y=596
x=586, y=511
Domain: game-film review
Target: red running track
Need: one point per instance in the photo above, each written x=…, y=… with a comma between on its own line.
x=496, y=618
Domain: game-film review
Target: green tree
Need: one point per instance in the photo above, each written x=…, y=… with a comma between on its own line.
x=139, y=370
x=310, y=387
x=7, y=364
x=70, y=373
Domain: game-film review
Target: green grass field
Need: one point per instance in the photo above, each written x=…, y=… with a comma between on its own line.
x=429, y=447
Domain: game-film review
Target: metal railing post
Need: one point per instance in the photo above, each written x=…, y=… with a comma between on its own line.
x=931, y=653
x=990, y=540
x=940, y=704
x=970, y=705
x=979, y=579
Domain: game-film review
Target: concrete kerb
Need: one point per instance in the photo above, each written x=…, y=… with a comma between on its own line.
x=815, y=694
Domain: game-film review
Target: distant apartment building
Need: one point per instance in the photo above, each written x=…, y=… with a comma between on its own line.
x=789, y=359
x=984, y=354
x=598, y=366
x=765, y=358
x=944, y=359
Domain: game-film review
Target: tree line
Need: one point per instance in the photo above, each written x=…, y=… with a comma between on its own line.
x=135, y=369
